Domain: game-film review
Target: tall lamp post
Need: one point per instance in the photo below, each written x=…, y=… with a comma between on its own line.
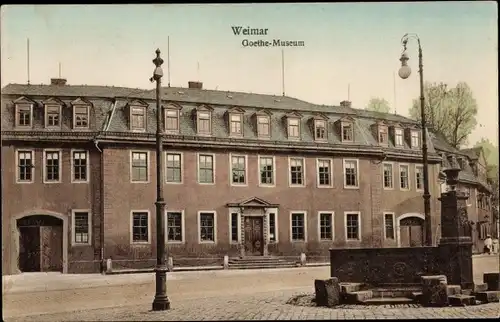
x=404, y=73
x=161, y=301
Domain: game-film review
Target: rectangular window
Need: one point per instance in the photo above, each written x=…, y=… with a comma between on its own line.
x=320, y=130
x=81, y=227
x=266, y=170
x=52, y=166
x=138, y=119
x=174, y=167
x=293, y=128
x=235, y=124
x=326, y=226
x=419, y=177
x=234, y=227
x=23, y=115
x=238, y=169
x=272, y=227
x=352, y=226
x=296, y=171
x=324, y=173
x=347, y=132
x=351, y=173
x=172, y=120
x=81, y=117
x=140, y=227
x=207, y=227
x=79, y=166
x=52, y=115
x=25, y=166
x=388, y=179
x=263, y=127
x=174, y=226
x=140, y=167
x=298, y=226
x=389, y=226
x=399, y=137
x=206, y=168
x=204, y=122
x=415, y=139
x=403, y=175
x=382, y=135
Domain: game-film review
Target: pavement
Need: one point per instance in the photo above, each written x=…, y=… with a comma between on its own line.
x=201, y=295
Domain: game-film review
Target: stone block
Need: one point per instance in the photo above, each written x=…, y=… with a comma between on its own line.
x=327, y=292
x=488, y=296
x=359, y=296
x=492, y=280
x=434, y=291
x=466, y=292
x=481, y=287
x=226, y=262
x=453, y=289
x=461, y=300
x=170, y=264
x=350, y=287
x=303, y=259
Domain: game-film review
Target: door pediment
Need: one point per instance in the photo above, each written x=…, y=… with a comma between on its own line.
x=253, y=202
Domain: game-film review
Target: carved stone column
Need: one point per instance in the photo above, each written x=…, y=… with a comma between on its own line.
x=265, y=229
x=242, y=231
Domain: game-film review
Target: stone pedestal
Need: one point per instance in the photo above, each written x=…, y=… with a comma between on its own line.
x=327, y=292
x=434, y=291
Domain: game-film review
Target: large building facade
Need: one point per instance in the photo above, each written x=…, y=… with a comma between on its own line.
x=245, y=175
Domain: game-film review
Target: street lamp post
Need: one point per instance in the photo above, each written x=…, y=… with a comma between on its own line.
x=404, y=73
x=161, y=301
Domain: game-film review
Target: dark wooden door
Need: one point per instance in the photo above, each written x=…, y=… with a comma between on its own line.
x=404, y=236
x=51, y=248
x=416, y=236
x=254, y=237
x=29, y=249
x=411, y=232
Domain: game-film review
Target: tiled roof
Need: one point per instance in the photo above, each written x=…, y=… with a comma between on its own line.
x=472, y=153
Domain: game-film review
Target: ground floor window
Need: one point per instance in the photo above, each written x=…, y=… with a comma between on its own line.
x=352, y=226
x=207, y=226
x=298, y=226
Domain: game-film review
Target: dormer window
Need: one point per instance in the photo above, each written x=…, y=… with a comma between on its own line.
x=235, y=124
x=383, y=137
x=347, y=132
x=461, y=163
x=263, y=126
x=24, y=112
x=320, y=130
x=81, y=111
x=415, y=139
x=137, y=118
x=171, y=120
x=398, y=137
x=52, y=115
x=293, y=128
x=204, y=120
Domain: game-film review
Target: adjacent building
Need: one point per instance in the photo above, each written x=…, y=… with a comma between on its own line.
x=245, y=175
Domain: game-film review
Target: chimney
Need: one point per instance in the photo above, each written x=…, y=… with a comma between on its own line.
x=58, y=81
x=198, y=85
x=345, y=104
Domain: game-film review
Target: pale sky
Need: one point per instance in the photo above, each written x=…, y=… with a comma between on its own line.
x=345, y=43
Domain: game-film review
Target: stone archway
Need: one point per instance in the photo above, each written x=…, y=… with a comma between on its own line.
x=32, y=219
x=410, y=230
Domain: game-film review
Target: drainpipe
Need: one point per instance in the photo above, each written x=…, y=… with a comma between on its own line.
x=101, y=206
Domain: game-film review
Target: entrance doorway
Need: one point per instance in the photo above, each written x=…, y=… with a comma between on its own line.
x=40, y=244
x=254, y=236
x=411, y=232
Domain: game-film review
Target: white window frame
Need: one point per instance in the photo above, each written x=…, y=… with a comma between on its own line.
x=32, y=151
x=381, y=130
x=325, y=127
x=417, y=166
x=236, y=134
x=46, y=115
x=59, y=151
x=73, y=227
x=303, y=172
x=276, y=223
x=172, y=131
x=259, y=134
x=407, y=166
x=209, y=132
x=74, y=116
x=398, y=132
x=290, y=137
x=393, y=225
x=346, y=124
x=131, y=229
x=17, y=116
x=87, y=156
x=265, y=185
x=148, y=162
x=317, y=173
x=165, y=153
x=199, y=226
x=344, y=161
x=360, y=231
x=183, y=228
x=198, y=168
x=413, y=134
x=332, y=216
x=305, y=225
x=383, y=175
x=144, y=111
x=231, y=211
x=231, y=183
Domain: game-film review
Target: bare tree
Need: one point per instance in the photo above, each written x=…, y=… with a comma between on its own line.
x=450, y=112
x=377, y=104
